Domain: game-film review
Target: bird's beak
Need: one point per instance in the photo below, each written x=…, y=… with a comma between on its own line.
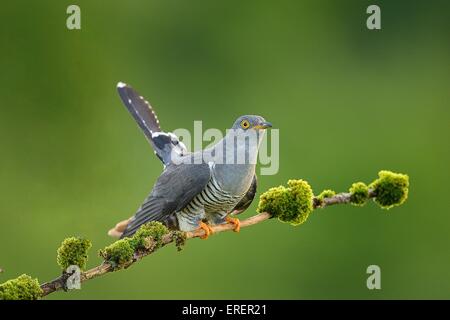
x=263, y=125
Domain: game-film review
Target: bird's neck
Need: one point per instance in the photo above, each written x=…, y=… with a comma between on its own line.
x=241, y=147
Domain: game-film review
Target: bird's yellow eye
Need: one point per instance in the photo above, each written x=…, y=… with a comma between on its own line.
x=245, y=124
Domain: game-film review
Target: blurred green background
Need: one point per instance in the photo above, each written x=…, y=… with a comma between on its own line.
x=348, y=102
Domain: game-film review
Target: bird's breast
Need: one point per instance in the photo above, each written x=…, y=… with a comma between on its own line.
x=233, y=178
x=213, y=198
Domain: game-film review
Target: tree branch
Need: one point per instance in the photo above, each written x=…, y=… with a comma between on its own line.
x=340, y=198
x=106, y=267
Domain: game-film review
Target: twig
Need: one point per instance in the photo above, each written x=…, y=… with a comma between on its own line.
x=59, y=283
x=106, y=267
x=340, y=198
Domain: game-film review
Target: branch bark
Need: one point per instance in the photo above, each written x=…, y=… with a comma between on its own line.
x=340, y=198
x=59, y=283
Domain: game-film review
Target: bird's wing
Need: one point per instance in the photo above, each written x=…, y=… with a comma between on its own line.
x=247, y=199
x=174, y=189
x=164, y=144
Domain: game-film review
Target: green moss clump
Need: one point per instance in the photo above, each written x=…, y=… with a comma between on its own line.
x=21, y=288
x=276, y=200
x=326, y=194
x=292, y=204
x=318, y=201
x=180, y=239
x=118, y=253
x=149, y=236
x=73, y=251
x=154, y=230
x=391, y=189
x=303, y=195
x=359, y=194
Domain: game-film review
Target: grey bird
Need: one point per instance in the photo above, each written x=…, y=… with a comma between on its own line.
x=195, y=189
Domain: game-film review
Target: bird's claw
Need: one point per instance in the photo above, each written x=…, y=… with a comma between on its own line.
x=236, y=222
x=206, y=228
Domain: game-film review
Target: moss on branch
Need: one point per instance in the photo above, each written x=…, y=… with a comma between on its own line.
x=390, y=189
x=325, y=194
x=118, y=253
x=180, y=239
x=359, y=194
x=22, y=288
x=294, y=203
x=291, y=204
x=147, y=238
x=153, y=231
x=73, y=251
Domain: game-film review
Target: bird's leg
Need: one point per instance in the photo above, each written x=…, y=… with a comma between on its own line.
x=235, y=221
x=206, y=228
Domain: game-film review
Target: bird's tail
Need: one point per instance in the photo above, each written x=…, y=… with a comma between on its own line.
x=163, y=143
x=118, y=230
x=140, y=109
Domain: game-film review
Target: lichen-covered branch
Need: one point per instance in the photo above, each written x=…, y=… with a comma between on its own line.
x=173, y=236
x=340, y=198
x=291, y=204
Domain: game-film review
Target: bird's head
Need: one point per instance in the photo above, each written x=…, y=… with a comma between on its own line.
x=249, y=130
x=251, y=122
x=241, y=142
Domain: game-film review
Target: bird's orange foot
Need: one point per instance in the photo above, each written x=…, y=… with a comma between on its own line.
x=206, y=228
x=236, y=222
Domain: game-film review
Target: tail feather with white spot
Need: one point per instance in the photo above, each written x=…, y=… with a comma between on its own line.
x=165, y=145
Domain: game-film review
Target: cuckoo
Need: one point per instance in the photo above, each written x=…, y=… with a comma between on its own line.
x=196, y=189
